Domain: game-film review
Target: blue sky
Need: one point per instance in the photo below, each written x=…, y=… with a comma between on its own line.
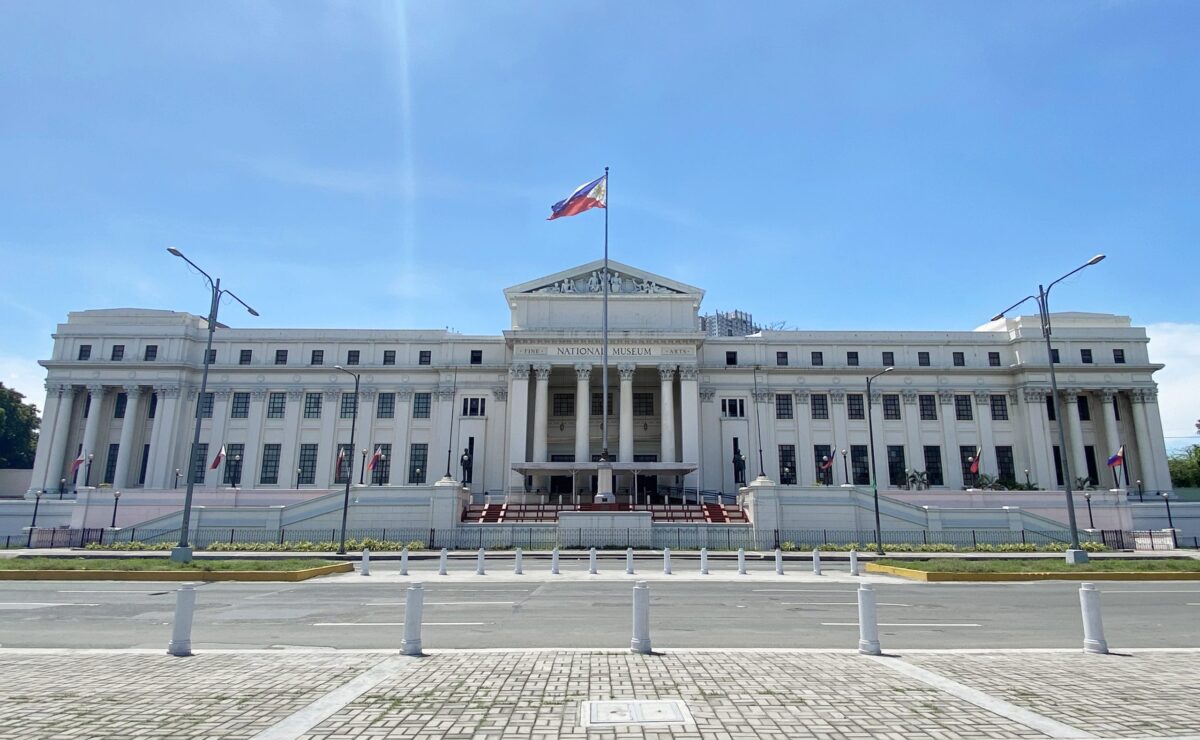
x=830, y=165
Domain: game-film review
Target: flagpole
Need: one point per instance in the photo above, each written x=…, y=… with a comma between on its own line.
x=604, y=481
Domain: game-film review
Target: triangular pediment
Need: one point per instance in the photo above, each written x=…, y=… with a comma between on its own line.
x=586, y=279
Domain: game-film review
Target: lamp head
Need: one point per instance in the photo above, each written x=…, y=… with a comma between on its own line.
x=252, y=311
x=997, y=317
x=116, y=494
x=888, y=369
x=175, y=251
x=1094, y=260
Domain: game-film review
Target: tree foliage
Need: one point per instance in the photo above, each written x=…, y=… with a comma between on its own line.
x=1185, y=467
x=18, y=430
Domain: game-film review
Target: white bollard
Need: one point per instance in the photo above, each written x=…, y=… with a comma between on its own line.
x=592, y=561
x=554, y=562
x=404, y=562
x=778, y=562
x=414, y=604
x=667, y=561
x=704, y=561
x=640, y=643
x=442, y=564
x=181, y=633
x=816, y=562
x=868, y=621
x=365, y=567
x=479, y=563
x=629, y=561
x=854, y=562
x=517, y=558
x=1093, y=626
x=741, y=561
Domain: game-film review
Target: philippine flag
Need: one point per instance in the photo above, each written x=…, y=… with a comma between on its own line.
x=975, y=462
x=590, y=195
x=75, y=465
x=217, y=460
x=1118, y=458
x=828, y=463
x=341, y=457
x=375, y=459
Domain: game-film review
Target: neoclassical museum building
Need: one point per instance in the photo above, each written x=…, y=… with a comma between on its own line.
x=520, y=413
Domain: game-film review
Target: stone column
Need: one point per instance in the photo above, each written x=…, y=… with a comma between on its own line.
x=443, y=426
x=689, y=421
x=1111, y=437
x=91, y=432
x=289, y=449
x=331, y=414
x=1145, y=450
x=541, y=411
x=667, y=408
x=160, y=471
x=56, y=465
x=882, y=471
x=766, y=440
x=839, y=420
x=983, y=416
x=1158, y=455
x=403, y=420
x=583, y=413
x=252, y=449
x=625, y=445
x=518, y=421
x=912, y=430
x=804, y=472
x=951, y=466
x=1070, y=412
x=1038, y=461
x=133, y=395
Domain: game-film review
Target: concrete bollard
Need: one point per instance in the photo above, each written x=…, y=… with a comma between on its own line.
x=854, y=562
x=704, y=561
x=741, y=561
x=365, y=567
x=592, y=561
x=629, y=561
x=816, y=562
x=404, y=562
x=667, y=561
x=479, y=563
x=181, y=633
x=517, y=563
x=1093, y=626
x=442, y=563
x=868, y=621
x=778, y=562
x=414, y=605
x=640, y=643
x=554, y=562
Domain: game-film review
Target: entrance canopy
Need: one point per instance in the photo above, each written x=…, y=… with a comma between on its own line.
x=570, y=468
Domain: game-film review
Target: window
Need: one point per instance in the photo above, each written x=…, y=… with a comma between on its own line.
x=818, y=359
x=963, y=411
x=110, y=465
x=349, y=406
x=312, y=405
x=212, y=357
x=999, y=408
x=477, y=406
x=928, y=406
x=823, y=462
x=417, y=458
x=787, y=462
x=421, y=402
x=923, y=359
x=783, y=410
x=889, y=359
x=1085, y=411
x=206, y=405
x=933, y=465
x=819, y=405
x=341, y=472
x=733, y=408
x=897, y=475
x=476, y=357
x=145, y=463
x=1089, y=459
x=731, y=358
x=281, y=356
x=199, y=464
x=1118, y=356
x=960, y=360
x=389, y=357
x=1058, y=470
x=891, y=406
x=154, y=406
x=245, y=357
x=854, y=406
x=424, y=357
x=1051, y=411
x=119, y=406
x=564, y=404
x=233, y=464
x=860, y=465
x=1085, y=356
x=240, y=408
x=308, y=465
x=966, y=453
x=352, y=357
x=276, y=403
x=85, y=352
x=852, y=359
x=1116, y=409
x=382, y=472
x=270, y=464
x=596, y=410
x=781, y=359
x=1054, y=355
x=1006, y=468
x=87, y=405
x=151, y=353
x=118, y=352
x=643, y=404
x=993, y=359
x=317, y=358
x=385, y=406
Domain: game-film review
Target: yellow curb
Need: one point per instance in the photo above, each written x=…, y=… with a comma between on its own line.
x=1111, y=575
x=174, y=575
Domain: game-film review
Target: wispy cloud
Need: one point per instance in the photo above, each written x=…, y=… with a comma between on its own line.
x=1177, y=346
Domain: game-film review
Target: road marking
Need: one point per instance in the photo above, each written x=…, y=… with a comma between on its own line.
x=439, y=603
x=904, y=624
x=312, y=715
x=1107, y=592
x=834, y=603
x=35, y=605
x=106, y=591
x=397, y=624
x=803, y=591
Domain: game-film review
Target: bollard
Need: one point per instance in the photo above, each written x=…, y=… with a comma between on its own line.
x=404, y=562
x=704, y=561
x=479, y=563
x=517, y=558
x=442, y=565
x=641, y=619
x=667, y=560
x=181, y=633
x=592, y=561
x=554, y=562
x=741, y=561
x=365, y=567
x=816, y=562
x=854, y=562
x=414, y=604
x=1093, y=626
x=629, y=561
x=778, y=562
x=868, y=623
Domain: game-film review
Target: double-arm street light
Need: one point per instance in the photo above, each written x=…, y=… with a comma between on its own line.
x=874, y=479
x=1076, y=554
x=183, y=552
x=350, y=457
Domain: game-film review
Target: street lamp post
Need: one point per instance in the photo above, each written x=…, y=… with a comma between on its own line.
x=299, y=472
x=237, y=471
x=183, y=551
x=177, y=474
x=1087, y=496
x=1027, y=483
x=845, y=469
x=87, y=478
x=1140, y=491
x=62, y=487
x=37, y=501
x=1166, y=497
x=362, y=470
x=874, y=478
x=349, y=455
x=1076, y=555
x=116, y=500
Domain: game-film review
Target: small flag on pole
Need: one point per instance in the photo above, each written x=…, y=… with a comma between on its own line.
x=375, y=459
x=78, y=461
x=828, y=463
x=975, y=462
x=593, y=194
x=341, y=457
x=1118, y=458
x=217, y=460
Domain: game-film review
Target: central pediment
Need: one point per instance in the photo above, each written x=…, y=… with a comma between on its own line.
x=589, y=279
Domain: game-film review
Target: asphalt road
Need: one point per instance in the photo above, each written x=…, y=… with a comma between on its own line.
x=506, y=611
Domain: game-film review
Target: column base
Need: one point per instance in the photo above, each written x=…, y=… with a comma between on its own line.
x=181, y=555
x=1076, y=557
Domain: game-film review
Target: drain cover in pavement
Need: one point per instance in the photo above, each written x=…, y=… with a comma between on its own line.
x=635, y=712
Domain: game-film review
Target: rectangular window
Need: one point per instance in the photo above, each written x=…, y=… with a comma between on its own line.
x=963, y=410
x=643, y=404
x=87, y=405
x=312, y=405
x=596, y=410
x=960, y=360
x=1058, y=471
x=852, y=359
x=897, y=475
x=787, y=463
x=151, y=353
x=1089, y=459
x=1006, y=467
x=119, y=406
x=421, y=403
x=233, y=464
x=154, y=406
x=1054, y=355
x=819, y=405
x=476, y=357
x=245, y=357
x=200, y=464
x=1085, y=411
x=733, y=408
x=307, y=465
x=1051, y=411
x=1118, y=356
x=891, y=406
x=389, y=357
x=855, y=408
x=85, y=352
x=240, y=408
x=418, y=455
x=381, y=474
x=385, y=406
x=823, y=463
x=477, y=406
x=889, y=359
x=923, y=359
x=349, y=406
x=993, y=359
x=999, y=407
x=1117, y=409
x=860, y=466
x=781, y=359
x=317, y=357
x=966, y=453
x=276, y=404
x=110, y=465
x=341, y=472
x=424, y=357
x=352, y=357
x=118, y=352
x=933, y=465
x=206, y=405
x=144, y=465
x=783, y=409
x=1085, y=356
x=928, y=406
x=731, y=358
x=818, y=359
x=212, y=357
x=563, y=405
x=270, y=464
x=281, y=356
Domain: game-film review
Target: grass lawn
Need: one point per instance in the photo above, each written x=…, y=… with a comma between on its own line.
x=143, y=564
x=1046, y=565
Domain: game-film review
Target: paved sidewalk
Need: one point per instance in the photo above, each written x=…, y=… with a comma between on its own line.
x=500, y=694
